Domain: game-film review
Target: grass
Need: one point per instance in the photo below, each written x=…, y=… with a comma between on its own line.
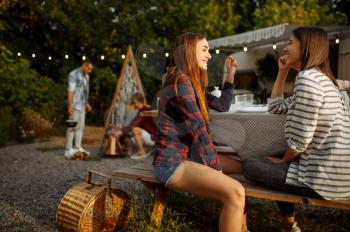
x=186, y=212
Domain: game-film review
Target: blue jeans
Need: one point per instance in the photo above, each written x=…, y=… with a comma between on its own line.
x=274, y=175
x=163, y=174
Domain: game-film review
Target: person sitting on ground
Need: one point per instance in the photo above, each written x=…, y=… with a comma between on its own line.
x=142, y=127
x=185, y=158
x=317, y=162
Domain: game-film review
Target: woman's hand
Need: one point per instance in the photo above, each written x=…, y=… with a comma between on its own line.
x=278, y=87
x=288, y=157
x=282, y=64
x=231, y=66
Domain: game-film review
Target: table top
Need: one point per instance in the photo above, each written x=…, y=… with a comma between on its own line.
x=247, y=133
x=258, y=134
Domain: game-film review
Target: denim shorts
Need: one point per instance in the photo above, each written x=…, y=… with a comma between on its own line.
x=163, y=174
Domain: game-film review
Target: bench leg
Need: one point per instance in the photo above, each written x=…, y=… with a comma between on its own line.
x=160, y=194
x=159, y=206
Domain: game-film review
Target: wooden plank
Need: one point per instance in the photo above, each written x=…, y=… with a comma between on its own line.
x=143, y=171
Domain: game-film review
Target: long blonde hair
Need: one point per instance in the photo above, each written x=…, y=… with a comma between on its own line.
x=314, y=50
x=185, y=63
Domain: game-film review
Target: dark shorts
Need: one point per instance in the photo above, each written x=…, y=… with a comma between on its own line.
x=163, y=174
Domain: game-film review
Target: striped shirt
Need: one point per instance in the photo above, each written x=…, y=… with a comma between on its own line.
x=318, y=126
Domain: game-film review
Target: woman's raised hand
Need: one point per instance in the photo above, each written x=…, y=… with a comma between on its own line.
x=231, y=64
x=231, y=67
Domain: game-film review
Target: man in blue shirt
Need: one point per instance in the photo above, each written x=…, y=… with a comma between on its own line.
x=78, y=104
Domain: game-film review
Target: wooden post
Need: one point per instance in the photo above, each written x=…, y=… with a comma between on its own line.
x=112, y=145
x=161, y=194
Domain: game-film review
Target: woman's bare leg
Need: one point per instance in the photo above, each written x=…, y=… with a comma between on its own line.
x=229, y=164
x=209, y=183
x=137, y=132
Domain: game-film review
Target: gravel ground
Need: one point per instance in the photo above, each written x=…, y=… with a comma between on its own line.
x=34, y=178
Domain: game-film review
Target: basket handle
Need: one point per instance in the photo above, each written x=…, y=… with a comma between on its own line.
x=107, y=183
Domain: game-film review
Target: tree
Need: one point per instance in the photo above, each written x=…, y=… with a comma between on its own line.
x=299, y=12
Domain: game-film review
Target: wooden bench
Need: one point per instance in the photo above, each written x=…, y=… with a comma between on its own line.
x=143, y=172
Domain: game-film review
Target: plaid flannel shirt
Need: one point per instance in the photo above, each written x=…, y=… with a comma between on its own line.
x=182, y=133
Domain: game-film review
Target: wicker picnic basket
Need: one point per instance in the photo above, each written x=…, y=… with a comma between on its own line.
x=88, y=207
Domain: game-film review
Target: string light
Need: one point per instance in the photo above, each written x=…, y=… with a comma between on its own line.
x=337, y=40
x=167, y=54
x=274, y=46
x=245, y=48
x=50, y=58
x=144, y=55
x=33, y=55
x=217, y=51
x=66, y=56
x=83, y=57
x=19, y=54
x=102, y=57
x=123, y=56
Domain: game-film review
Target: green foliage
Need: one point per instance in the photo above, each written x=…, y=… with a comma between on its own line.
x=6, y=123
x=300, y=12
x=21, y=86
x=102, y=85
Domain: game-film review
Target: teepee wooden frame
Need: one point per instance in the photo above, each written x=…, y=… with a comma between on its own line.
x=129, y=75
x=129, y=60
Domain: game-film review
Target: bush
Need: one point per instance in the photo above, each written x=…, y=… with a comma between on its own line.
x=22, y=87
x=6, y=123
x=33, y=125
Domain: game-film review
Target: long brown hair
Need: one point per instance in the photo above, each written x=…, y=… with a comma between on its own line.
x=314, y=49
x=185, y=63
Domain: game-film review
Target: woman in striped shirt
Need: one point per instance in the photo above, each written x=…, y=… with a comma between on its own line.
x=184, y=156
x=317, y=162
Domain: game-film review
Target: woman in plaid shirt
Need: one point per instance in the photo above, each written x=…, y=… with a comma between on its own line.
x=185, y=158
